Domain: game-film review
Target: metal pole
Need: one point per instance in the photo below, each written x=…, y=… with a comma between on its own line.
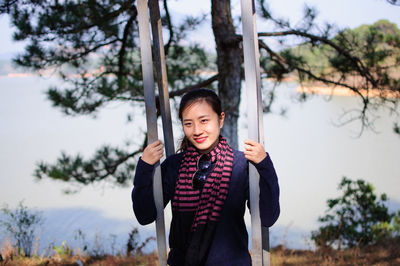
x=266, y=255
x=151, y=119
x=159, y=58
x=260, y=242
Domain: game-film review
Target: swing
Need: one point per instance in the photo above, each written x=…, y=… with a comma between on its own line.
x=259, y=233
x=150, y=103
x=260, y=241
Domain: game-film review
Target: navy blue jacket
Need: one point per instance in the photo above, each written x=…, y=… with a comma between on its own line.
x=230, y=244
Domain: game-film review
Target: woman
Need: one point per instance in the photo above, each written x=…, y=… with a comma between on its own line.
x=208, y=185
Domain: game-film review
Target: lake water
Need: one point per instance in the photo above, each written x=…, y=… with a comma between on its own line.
x=310, y=154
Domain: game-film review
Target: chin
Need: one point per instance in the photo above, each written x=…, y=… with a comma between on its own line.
x=202, y=147
x=205, y=146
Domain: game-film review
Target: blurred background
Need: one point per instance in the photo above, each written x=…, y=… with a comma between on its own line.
x=311, y=153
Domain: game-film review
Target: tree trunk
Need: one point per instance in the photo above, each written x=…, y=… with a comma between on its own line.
x=229, y=60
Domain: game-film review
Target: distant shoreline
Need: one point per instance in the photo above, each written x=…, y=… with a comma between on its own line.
x=342, y=91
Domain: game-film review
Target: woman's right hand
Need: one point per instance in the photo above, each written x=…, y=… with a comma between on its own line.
x=153, y=152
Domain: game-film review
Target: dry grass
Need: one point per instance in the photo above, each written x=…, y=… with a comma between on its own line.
x=7, y=250
x=9, y=256
x=148, y=259
x=374, y=255
x=378, y=255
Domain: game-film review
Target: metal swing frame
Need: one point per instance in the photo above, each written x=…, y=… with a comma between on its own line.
x=260, y=235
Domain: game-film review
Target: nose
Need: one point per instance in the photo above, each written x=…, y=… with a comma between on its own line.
x=197, y=129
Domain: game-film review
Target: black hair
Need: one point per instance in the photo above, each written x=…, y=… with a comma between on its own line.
x=194, y=96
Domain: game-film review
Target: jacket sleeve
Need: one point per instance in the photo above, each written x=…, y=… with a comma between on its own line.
x=142, y=193
x=269, y=192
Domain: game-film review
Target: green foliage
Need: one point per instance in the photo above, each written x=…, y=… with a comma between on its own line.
x=358, y=217
x=364, y=60
x=377, y=46
x=94, y=47
x=63, y=251
x=386, y=232
x=184, y=62
x=21, y=224
x=107, y=162
x=369, y=50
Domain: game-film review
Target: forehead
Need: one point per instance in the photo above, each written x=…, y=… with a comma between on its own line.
x=198, y=109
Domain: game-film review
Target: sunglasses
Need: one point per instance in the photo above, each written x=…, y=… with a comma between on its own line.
x=204, y=165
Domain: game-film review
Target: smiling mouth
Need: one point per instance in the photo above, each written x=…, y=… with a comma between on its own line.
x=200, y=140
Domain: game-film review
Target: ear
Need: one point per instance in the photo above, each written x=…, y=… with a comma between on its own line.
x=221, y=120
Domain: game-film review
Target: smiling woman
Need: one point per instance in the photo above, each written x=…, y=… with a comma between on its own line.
x=202, y=120
x=208, y=186
x=309, y=153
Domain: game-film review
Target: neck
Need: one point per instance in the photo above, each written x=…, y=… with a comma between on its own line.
x=210, y=148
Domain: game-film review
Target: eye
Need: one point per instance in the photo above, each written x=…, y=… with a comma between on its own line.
x=204, y=121
x=187, y=124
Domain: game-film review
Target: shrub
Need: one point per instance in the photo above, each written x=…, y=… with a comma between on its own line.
x=358, y=217
x=21, y=224
x=132, y=246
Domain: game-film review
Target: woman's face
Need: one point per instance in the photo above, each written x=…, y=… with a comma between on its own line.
x=202, y=125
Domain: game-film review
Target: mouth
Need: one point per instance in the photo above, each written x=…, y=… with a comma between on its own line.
x=200, y=140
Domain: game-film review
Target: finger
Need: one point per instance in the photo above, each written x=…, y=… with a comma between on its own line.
x=155, y=143
x=156, y=156
x=248, y=153
x=159, y=153
x=250, y=142
x=250, y=147
x=159, y=147
x=257, y=147
x=249, y=157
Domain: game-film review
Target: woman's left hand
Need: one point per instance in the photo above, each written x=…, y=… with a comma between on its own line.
x=254, y=151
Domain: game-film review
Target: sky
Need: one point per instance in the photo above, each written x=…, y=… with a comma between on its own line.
x=344, y=13
x=310, y=154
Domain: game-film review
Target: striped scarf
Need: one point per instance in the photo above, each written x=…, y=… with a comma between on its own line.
x=204, y=206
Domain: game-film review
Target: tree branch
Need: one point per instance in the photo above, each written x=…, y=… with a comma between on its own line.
x=170, y=28
x=279, y=59
x=356, y=62
x=122, y=51
x=201, y=84
x=96, y=169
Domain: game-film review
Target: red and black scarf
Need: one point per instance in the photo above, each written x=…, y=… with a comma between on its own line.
x=197, y=212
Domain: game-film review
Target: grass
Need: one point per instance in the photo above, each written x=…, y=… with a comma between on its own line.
x=148, y=259
x=382, y=255
x=374, y=255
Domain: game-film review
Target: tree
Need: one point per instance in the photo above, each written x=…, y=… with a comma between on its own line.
x=21, y=224
x=93, y=45
x=374, y=48
x=357, y=217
